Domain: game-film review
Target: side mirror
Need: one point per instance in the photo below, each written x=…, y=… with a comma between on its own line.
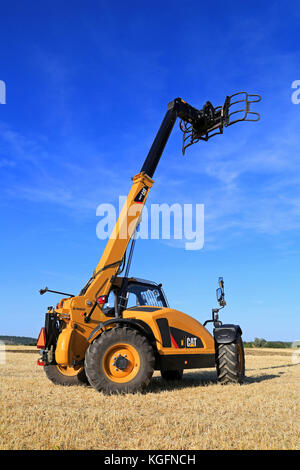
x=221, y=301
x=220, y=293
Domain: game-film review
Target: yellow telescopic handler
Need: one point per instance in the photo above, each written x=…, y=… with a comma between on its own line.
x=116, y=349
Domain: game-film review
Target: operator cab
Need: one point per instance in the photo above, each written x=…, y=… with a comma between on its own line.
x=139, y=292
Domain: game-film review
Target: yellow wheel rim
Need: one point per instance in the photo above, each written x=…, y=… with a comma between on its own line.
x=128, y=372
x=240, y=358
x=69, y=371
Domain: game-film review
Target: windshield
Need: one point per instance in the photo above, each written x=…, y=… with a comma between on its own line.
x=139, y=294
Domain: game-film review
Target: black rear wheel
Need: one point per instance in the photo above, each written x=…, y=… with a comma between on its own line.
x=60, y=375
x=230, y=361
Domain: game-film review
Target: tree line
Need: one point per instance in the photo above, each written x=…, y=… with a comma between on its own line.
x=18, y=340
x=263, y=343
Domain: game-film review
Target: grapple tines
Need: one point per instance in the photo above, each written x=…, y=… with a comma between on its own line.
x=236, y=108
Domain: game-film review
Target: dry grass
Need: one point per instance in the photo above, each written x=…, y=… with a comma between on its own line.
x=197, y=414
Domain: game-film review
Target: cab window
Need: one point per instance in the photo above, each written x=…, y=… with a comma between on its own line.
x=139, y=294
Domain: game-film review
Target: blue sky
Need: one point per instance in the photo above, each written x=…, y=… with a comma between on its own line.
x=87, y=87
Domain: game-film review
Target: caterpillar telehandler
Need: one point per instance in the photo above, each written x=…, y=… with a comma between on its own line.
x=117, y=349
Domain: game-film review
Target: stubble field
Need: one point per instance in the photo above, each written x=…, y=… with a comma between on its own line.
x=197, y=413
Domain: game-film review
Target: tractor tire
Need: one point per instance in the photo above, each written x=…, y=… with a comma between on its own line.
x=66, y=375
x=171, y=375
x=230, y=362
x=119, y=361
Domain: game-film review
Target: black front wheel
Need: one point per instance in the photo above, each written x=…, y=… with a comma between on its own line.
x=119, y=361
x=230, y=361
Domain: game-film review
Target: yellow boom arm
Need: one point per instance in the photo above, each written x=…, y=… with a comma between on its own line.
x=115, y=249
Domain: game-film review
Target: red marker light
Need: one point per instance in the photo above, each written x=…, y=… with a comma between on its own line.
x=102, y=299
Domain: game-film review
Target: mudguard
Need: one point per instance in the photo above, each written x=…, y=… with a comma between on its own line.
x=63, y=347
x=226, y=334
x=71, y=347
x=138, y=325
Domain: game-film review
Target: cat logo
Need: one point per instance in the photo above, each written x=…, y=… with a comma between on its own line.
x=191, y=342
x=141, y=195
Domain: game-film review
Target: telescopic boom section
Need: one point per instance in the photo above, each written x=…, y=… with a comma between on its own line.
x=112, y=257
x=196, y=125
x=177, y=108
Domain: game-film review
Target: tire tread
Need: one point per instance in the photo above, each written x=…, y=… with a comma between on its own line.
x=227, y=362
x=97, y=376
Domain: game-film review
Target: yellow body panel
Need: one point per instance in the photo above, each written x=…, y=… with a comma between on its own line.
x=71, y=346
x=177, y=320
x=72, y=342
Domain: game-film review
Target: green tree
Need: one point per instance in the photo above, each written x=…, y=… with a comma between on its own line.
x=259, y=342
